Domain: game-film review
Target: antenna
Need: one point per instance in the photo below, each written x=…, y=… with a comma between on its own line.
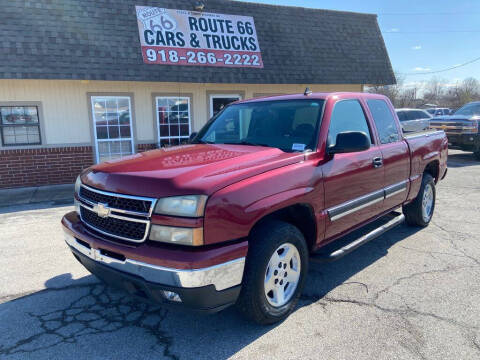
x=307, y=91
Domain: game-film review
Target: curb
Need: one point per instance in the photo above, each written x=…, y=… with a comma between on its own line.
x=62, y=193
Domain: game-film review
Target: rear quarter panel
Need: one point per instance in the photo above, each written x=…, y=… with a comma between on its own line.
x=424, y=149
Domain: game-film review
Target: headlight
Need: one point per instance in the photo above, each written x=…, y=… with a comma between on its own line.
x=78, y=182
x=188, y=205
x=177, y=235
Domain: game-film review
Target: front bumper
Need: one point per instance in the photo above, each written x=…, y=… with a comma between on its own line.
x=209, y=288
x=469, y=142
x=203, y=299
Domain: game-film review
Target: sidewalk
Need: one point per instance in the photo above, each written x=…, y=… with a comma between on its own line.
x=54, y=194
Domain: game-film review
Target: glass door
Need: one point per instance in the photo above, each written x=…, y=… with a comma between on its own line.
x=112, y=127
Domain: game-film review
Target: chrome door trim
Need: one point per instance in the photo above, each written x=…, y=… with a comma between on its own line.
x=338, y=211
x=395, y=189
x=354, y=205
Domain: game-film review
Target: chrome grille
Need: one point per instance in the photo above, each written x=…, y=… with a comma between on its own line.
x=123, y=203
x=117, y=216
x=114, y=227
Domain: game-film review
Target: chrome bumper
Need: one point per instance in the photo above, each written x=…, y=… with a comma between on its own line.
x=222, y=276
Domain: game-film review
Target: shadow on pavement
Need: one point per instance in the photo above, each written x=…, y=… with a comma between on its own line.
x=462, y=159
x=88, y=319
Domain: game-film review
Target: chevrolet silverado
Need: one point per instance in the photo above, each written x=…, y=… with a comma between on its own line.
x=235, y=216
x=462, y=128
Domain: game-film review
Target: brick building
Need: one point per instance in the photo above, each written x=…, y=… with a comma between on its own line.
x=88, y=81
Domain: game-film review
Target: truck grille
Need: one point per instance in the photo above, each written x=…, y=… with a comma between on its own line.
x=114, y=227
x=117, y=216
x=455, y=127
x=129, y=204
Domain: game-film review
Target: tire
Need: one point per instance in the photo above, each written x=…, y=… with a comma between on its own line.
x=476, y=155
x=270, y=238
x=420, y=212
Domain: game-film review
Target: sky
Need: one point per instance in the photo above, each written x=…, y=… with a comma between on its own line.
x=421, y=36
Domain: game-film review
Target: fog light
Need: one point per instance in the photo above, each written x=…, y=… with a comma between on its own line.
x=172, y=296
x=177, y=235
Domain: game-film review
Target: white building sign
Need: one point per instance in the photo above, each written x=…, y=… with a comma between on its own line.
x=181, y=37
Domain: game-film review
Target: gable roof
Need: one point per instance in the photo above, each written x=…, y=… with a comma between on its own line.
x=98, y=40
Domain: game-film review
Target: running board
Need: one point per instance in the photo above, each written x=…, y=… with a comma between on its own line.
x=397, y=219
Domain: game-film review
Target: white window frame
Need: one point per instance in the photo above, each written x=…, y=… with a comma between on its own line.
x=220, y=96
x=158, y=119
x=92, y=98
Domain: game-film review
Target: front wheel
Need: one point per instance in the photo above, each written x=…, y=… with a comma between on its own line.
x=275, y=271
x=476, y=155
x=420, y=211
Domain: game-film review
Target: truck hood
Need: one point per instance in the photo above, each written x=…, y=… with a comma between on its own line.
x=185, y=170
x=454, y=118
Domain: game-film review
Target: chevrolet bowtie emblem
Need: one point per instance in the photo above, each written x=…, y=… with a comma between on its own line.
x=444, y=126
x=101, y=209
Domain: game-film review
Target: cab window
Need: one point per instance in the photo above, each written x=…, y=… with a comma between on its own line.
x=347, y=115
x=384, y=121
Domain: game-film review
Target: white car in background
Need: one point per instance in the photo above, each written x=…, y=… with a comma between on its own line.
x=413, y=119
x=439, y=111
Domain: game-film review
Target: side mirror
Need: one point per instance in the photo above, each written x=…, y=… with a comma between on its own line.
x=192, y=136
x=350, y=141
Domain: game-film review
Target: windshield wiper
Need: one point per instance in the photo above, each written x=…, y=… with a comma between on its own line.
x=249, y=143
x=203, y=142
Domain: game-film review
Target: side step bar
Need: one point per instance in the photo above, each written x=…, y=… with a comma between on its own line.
x=397, y=219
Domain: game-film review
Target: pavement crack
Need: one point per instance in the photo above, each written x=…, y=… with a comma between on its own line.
x=101, y=310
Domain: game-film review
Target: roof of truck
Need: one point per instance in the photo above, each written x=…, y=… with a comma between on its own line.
x=313, y=95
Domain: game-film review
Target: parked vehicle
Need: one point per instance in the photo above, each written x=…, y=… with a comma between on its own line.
x=462, y=128
x=235, y=216
x=413, y=119
x=439, y=111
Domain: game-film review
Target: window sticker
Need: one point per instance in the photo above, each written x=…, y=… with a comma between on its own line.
x=298, y=147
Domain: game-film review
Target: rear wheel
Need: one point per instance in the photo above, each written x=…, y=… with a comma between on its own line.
x=420, y=211
x=275, y=271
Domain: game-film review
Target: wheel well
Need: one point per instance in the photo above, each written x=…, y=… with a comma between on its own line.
x=299, y=215
x=433, y=169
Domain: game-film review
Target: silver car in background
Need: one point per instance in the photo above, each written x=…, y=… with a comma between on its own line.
x=413, y=119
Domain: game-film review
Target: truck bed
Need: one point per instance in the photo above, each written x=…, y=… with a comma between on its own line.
x=424, y=146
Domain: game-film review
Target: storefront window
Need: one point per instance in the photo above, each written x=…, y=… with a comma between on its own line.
x=174, y=120
x=113, y=130
x=19, y=125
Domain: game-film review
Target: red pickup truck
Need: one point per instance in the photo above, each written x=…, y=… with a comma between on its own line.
x=235, y=216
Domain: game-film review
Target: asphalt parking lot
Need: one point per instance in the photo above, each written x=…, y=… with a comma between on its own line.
x=406, y=295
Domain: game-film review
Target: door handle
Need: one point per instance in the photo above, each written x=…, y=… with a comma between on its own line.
x=377, y=162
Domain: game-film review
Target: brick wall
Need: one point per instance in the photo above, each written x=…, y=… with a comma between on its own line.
x=47, y=166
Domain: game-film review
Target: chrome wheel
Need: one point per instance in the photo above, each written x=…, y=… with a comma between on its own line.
x=427, y=203
x=282, y=275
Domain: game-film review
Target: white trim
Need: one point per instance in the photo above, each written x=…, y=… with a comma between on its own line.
x=97, y=141
x=220, y=96
x=159, y=137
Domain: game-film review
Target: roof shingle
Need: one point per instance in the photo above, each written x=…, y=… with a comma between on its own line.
x=98, y=40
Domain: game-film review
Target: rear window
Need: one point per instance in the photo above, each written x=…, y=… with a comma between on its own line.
x=384, y=121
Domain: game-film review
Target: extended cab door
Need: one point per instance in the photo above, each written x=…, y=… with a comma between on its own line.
x=395, y=152
x=353, y=182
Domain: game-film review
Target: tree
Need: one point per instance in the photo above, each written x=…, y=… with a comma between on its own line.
x=434, y=90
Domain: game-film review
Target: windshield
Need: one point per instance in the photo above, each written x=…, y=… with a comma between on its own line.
x=469, y=110
x=290, y=125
